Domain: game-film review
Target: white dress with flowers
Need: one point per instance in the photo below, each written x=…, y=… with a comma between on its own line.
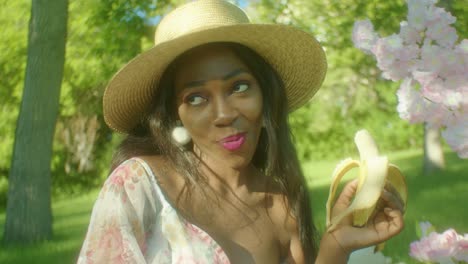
x=132, y=222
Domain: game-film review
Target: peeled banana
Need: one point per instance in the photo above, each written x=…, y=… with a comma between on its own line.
x=374, y=173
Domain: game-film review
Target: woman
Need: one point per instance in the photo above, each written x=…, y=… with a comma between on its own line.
x=208, y=172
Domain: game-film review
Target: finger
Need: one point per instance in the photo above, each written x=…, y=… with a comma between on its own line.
x=393, y=200
x=396, y=222
x=389, y=187
x=347, y=194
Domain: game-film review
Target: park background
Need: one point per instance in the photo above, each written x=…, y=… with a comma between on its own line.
x=102, y=35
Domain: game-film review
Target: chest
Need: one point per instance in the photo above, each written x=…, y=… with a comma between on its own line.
x=247, y=229
x=246, y=237
x=244, y=231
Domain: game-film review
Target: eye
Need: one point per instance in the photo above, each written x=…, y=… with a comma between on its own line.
x=195, y=99
x=241, y=87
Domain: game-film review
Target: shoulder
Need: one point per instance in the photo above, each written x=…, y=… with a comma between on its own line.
x=131, y=178
x=162, y=168
x=165, y=175
x=136, y=167
x=129, y=171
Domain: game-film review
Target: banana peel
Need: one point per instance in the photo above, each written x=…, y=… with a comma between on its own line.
x=375, y=172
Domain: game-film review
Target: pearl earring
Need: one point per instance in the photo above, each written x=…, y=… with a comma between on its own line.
x=180, y=135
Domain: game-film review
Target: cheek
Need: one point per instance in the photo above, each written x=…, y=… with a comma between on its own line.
x=253, y=109
x=195, y=122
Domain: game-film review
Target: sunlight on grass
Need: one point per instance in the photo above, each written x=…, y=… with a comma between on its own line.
x=71, y=218
x=437, y=198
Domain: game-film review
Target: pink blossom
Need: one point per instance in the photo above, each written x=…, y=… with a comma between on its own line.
x=410, y=102
x=417, y=10
x=444, y=35
x=456, y=135
x=393, y=58
x=433, y=68
x=426, y=228
x=431, y=57
x=461, y=52
x=409, y=34
x=462, y=47
x=435, y=247
x=434, y=91
x=453, y=99
x=424, y=77
x=364, y=36
x=462, y=249
x=416, y=108
x=437, y=15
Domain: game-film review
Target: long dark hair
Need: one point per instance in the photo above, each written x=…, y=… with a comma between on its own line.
x=275, y=155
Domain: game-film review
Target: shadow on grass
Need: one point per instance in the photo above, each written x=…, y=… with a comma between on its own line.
x=439, y=198
x=71, y=218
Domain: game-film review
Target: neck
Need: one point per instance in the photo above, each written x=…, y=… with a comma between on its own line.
x=225, y=179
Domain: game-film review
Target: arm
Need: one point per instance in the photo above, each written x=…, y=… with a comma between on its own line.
x=124, y=210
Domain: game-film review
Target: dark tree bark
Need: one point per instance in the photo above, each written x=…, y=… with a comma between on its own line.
x=433, y=153
x=28, y=215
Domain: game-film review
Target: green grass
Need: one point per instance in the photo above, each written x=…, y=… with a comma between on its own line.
x=71, y=217
x=438, y=198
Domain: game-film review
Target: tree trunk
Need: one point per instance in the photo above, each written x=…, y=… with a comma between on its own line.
x=28, y=215
x=433, y=153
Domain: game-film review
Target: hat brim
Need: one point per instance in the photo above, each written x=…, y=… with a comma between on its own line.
x=296, y=56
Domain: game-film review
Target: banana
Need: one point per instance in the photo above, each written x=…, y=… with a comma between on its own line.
x=374, y=173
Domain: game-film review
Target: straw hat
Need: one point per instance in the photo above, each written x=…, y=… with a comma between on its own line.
x=295, y=55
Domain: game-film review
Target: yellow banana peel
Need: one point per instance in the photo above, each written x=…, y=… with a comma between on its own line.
x=374, y=173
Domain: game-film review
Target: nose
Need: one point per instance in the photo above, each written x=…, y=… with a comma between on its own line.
x=225, y=113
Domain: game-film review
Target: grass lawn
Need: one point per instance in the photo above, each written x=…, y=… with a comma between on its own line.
x=440, y=199
x=71, y=217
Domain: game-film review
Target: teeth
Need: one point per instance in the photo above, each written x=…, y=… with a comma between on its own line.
x=374, y=173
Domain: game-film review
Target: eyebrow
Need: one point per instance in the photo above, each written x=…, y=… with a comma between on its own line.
x=226, y=77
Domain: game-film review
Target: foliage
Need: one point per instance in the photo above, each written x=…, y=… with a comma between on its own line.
x=14, y=17
x=102, y=36
x=426, y=55
x=353, y=95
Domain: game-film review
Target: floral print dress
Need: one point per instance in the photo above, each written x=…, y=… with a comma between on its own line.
x=132, y=222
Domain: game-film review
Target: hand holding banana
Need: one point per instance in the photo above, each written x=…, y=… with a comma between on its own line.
x=376, y=175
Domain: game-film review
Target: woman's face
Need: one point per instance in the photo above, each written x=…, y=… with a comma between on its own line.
x=220, y=104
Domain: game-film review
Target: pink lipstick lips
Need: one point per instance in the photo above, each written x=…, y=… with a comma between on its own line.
x=233, y=142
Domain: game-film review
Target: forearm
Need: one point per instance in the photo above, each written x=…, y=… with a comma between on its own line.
x=330, y=251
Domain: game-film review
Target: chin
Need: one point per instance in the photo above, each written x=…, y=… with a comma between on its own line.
x=236, y=162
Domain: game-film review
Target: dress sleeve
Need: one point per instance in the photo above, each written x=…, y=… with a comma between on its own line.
x=122, y=217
